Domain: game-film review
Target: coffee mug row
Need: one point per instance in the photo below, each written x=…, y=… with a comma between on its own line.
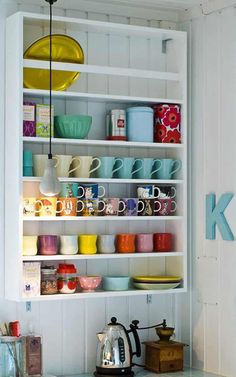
x=98, y=207
x=92, y=243
x=94, y=191
x=108, y=167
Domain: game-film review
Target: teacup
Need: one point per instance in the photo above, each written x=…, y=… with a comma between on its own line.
x=111, y=206
x=131, y=207
x=165, y=207
x=69, y=190
x=90, y=207
x=87, y=243
x=148, y=192
x=107, y=169
x=90, y=191
x=47, y=206
x=30, y=206
x=64, y=164
x=29, y=245
x=167, y=169
x=147, y=170
x=68, y=245
x=126, y=170
x=106, y=243
x=86, y=166
x=39, y=163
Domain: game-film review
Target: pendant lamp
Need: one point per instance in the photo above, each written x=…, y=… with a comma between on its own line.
x=50, y=185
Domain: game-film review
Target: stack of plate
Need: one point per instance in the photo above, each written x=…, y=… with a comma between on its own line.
x=156, y=282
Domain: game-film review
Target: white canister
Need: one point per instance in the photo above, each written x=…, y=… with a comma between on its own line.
x=116, y=125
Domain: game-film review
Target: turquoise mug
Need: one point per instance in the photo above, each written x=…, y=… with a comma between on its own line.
x=147, y=168
x=69, y=190
x=107, y=169
x=168, y=167
x=126, y=171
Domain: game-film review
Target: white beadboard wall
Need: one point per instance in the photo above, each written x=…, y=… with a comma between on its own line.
x=69, y=328
x=213, y=154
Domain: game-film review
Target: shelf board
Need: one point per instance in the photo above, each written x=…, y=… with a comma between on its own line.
x=103, y=70
x=109, y=180
x=101, y=218
x=99, y=97
x=96, y=26
x=103, y=143
x=60, y=257
x=104, y=294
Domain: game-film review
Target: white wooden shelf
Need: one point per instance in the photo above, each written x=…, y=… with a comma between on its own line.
x=100, y=218
x=99, y=97
x=103, y=143
x=103, y=70
x=109, y=180
x=92, y=94
x=104, y=294
x=60, y=257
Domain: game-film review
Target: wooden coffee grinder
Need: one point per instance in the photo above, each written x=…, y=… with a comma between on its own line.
x=164, y=355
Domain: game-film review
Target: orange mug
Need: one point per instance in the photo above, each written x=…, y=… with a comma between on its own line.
x=67, y=207
x=125, y=243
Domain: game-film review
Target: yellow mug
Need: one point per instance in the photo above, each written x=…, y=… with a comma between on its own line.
x=87, y=243
x=48, y=206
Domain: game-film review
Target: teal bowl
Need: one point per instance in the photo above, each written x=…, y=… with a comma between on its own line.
x=72, y=126
x=115, y=283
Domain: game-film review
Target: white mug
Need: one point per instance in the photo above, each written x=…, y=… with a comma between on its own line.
x=84, y=170
x=64, y=163
x=29, y=245
x=39, y=163
x=68, y=245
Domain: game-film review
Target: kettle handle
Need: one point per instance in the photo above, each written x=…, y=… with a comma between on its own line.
x=133, y=328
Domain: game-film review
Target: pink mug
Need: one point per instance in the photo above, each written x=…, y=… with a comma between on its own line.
x=144, y=243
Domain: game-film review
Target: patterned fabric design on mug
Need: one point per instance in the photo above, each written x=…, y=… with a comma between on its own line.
x=167, y=123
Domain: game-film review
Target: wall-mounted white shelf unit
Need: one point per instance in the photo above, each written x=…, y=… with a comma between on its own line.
x=124, y=66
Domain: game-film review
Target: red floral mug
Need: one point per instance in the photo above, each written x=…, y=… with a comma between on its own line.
x=167, y=121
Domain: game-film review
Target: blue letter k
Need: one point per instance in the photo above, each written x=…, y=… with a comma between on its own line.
x=215, y=215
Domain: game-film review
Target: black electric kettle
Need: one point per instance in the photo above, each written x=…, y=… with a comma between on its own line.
x=114, y=351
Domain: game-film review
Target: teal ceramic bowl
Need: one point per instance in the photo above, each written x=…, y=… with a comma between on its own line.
x=72, y=126
x=115, y=283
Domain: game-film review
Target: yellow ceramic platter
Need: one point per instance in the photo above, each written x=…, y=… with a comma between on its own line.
x=157, y=279
x=64, y=49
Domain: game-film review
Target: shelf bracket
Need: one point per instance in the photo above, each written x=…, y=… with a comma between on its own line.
x=28, y=306
x=164, y=43
x=149, y=299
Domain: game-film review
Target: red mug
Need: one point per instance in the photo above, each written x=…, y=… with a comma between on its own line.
x=163, y=242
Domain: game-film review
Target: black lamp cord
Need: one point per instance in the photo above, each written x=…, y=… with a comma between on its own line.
x=50, y=86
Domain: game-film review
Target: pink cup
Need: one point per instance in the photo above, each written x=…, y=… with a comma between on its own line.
x=144, y=243
x=48, y=245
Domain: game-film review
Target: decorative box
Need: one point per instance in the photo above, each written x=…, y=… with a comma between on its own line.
x=164, y=357
x=167, y=123
x=31, y=279
x=43, y=120
x=29, y=121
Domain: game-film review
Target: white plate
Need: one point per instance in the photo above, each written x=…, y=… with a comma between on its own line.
x=153, y=286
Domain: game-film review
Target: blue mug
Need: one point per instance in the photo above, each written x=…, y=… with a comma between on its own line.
x=69, y=190
x=126, y=171
x=147, y=169
x=107, y=169
x=90, y=191
x=168, y=167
